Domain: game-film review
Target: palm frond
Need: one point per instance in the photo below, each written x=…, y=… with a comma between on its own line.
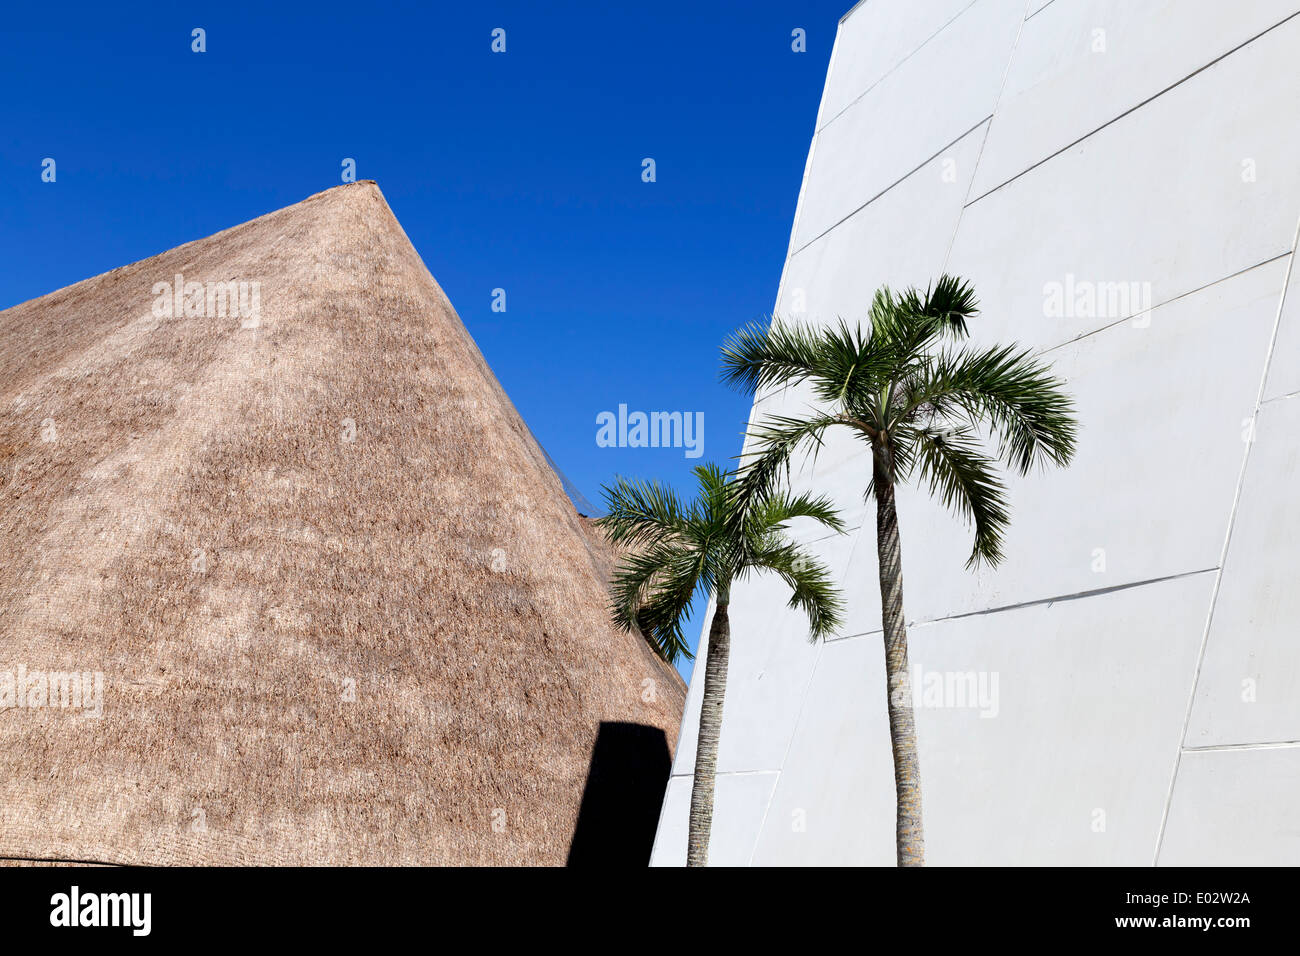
x=1005, y=388
x=711, y=501
x=661, y=621
x=964, y=479
x=776, y=440
x=951, y=302
x=634, y=581
x=774, y=509
x=641, y=513
x=852, y=364
x=842, y=363
x=651, y=592
x=812, y=588
x=770, y=353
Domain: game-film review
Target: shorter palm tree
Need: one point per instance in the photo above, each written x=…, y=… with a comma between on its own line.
x=677, y=551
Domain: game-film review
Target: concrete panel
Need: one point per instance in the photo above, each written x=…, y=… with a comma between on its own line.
x=739, y=802
x=1117, y=207
x=878, y=140
x=861, y=582
x=1068, y=79
x=1075, y=765
x=842, y=472
x=1284, y=370
x=1247, y=688
x=887, y=242
x=880, y=34
x=1072, y=762
x=836, y=807
x=1235, y=808
x=1127, y=498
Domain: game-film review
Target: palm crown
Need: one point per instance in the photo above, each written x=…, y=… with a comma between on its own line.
x=923, y=405
x=677, y=549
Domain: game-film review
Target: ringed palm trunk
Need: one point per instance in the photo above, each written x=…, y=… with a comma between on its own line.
x=902, y=720
x=706, y=747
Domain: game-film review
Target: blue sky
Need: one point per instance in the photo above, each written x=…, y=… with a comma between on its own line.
x=519, y=171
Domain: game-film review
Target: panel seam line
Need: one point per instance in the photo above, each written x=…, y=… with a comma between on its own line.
x=1133, y=109
x=907, y=175
x=1002, y=87
x=897, y=66
x=1223, y=554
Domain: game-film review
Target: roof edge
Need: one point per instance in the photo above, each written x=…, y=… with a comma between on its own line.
x=314, y=197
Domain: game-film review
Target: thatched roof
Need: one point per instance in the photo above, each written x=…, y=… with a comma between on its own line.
x=181, y=511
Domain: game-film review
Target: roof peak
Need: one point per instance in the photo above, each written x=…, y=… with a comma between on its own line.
x=338, y=191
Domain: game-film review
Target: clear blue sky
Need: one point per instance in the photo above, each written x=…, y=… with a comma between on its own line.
x=519, y=171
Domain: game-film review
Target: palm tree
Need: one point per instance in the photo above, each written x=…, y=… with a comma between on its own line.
x=676, y=551
x=925, y=409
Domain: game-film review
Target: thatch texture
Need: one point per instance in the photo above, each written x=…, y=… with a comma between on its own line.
x=181, y=510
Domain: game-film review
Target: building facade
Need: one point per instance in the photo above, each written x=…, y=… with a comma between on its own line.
x=1119, y=181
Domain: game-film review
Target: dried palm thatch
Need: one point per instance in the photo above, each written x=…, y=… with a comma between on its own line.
x=343, y=610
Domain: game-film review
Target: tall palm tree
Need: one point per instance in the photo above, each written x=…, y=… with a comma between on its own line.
x=925, y=408
x=677, y=551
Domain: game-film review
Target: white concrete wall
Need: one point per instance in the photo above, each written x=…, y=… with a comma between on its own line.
x=1144, y=631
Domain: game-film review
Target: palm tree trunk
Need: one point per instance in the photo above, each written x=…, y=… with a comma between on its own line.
x=902, y=721
x=706, y=747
